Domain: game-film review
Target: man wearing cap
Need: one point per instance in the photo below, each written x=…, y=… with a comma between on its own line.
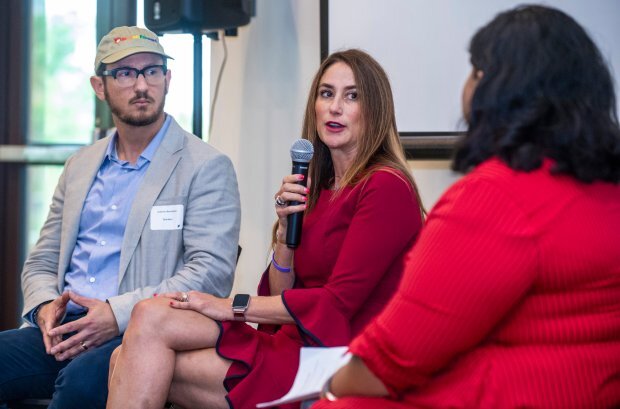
x=149, y=209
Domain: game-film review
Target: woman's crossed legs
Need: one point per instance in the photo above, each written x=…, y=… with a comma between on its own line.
x=167, y=355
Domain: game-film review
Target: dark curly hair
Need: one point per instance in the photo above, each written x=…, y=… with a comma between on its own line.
x=545, y=91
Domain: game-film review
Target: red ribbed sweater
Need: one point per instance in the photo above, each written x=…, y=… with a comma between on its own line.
x=510, y=299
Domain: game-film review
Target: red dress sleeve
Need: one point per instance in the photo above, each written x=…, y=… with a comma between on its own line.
x=474, y=260
x=384, y=224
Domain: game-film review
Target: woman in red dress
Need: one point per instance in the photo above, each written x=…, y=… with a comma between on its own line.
x=511, y=297
x=362, y=216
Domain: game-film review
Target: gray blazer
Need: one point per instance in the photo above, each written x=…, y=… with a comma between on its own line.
x=200, y=256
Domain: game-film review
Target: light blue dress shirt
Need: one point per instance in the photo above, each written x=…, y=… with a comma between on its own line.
x=93, y=270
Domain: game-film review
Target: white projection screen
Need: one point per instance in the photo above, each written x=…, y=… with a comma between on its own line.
x=423, y=44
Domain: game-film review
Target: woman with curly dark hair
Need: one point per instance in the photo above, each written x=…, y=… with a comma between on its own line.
x=511, y=297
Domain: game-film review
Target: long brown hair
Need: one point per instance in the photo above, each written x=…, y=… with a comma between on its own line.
x=379, y=144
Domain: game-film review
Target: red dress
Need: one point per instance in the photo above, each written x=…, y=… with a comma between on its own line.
x=349, y=263
x=510, y=299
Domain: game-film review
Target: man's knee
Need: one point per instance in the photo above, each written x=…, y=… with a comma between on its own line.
x=83, y=383
x=26, y=370
x=80, y=384
x=76, y=389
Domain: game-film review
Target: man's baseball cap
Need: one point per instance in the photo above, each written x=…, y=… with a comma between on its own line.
x=124, y=41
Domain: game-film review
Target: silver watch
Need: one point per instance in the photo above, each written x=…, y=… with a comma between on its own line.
x=240, y=304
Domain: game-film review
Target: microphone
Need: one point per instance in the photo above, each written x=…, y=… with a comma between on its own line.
x=301, y=153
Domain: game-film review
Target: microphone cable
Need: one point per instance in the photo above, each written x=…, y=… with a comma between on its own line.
x=218, y=81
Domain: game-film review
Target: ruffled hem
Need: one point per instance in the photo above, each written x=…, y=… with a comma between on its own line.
x=263, y=366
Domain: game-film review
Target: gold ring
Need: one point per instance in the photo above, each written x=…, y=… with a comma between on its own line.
x=83, y=345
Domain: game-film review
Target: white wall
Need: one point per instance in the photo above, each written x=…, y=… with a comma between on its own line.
x=433, y=177
x=259, y=113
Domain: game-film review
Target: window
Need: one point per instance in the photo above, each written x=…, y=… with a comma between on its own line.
x=62, y=107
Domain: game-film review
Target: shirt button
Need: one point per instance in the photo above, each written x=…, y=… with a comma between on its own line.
x=103, y=242
x=114, y=207
x=92, y=279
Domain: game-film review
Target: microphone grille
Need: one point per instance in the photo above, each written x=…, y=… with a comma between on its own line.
x=302, y=150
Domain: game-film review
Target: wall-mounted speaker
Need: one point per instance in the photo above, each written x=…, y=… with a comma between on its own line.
x=196, y=16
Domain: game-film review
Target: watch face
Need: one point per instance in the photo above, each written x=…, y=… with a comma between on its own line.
x=241, y=301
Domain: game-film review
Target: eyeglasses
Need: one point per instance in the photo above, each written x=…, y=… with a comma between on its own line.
x=127, y=76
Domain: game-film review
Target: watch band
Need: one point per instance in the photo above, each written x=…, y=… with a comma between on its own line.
x=35, y=312
x=239, y=315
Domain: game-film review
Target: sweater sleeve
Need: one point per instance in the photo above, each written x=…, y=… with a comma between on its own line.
x=475, y=260
x=385, y=223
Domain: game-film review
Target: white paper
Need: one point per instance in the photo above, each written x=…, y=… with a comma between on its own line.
x=167, y=217
x=316, y=365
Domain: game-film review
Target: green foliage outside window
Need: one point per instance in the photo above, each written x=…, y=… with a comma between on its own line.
x=63, y=43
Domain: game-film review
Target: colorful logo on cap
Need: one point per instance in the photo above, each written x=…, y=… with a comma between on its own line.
x=117, y=40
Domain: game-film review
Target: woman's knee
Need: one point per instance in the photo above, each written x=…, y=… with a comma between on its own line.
x=150, y=314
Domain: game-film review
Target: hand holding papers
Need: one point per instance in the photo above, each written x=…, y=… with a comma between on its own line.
x=316, y=365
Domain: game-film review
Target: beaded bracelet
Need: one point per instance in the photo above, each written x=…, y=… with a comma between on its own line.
x=277, y=266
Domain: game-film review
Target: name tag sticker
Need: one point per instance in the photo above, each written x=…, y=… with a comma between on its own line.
x=167, y=217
